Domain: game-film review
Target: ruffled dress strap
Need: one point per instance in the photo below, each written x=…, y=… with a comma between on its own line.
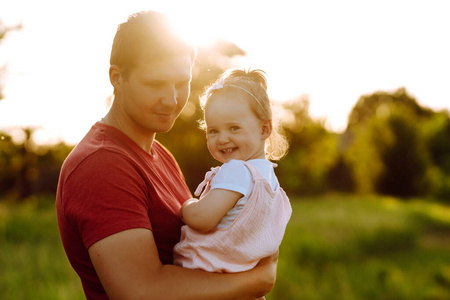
x=205, y=184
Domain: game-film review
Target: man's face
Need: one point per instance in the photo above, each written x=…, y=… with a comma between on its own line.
x=154, y=94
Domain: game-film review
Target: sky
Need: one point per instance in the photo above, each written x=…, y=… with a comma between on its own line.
x=56, y=67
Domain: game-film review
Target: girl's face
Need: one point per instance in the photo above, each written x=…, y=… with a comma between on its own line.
x=232, y=130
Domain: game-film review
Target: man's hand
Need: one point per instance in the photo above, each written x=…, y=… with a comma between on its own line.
x=268, y=272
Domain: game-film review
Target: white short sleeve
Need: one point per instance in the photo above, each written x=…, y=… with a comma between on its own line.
x=233, y=176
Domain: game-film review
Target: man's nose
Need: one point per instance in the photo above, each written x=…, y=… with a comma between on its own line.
x=170, y=97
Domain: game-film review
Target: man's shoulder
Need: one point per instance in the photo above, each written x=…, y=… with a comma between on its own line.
x=95, y=148
x=162, y=151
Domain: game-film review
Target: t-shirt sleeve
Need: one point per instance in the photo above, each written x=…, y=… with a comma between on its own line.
x=233, y=176
x=106, y=196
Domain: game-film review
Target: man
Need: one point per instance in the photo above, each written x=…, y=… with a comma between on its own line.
x=120, y=190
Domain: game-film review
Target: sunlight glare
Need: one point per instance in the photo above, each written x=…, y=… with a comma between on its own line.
x=57, y=67
x=193, y=27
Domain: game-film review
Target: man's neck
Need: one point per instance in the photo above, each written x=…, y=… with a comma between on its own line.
x=144, y=139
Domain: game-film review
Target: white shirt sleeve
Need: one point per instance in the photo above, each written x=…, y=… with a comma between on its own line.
x=233, y=176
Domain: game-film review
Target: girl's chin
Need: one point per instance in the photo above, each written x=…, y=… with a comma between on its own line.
x=225, y=160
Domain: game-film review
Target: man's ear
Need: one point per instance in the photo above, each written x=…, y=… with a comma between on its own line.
x=266, y=130
x=115, y=77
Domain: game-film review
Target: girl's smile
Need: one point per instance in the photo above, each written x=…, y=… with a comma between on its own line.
x=232, y=129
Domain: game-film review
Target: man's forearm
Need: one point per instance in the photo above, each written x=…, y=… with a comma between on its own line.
x=128, y=266
x=179, y=283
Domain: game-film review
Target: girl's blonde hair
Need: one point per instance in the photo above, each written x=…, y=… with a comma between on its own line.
x=254, y=84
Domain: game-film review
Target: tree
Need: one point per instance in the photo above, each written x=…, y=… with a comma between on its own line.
x=312, y=151
x=404, y=159
x=380, y=104
x=3, y=31
x=437, y=135
x=387, y=151
x=8, y=163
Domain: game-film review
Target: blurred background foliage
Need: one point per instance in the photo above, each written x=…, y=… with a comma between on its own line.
x=358, y=242
x=392, y=145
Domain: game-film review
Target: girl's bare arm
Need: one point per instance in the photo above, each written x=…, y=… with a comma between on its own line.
x=206, y=213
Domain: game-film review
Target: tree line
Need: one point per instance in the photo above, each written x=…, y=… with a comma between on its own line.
x=391, y=146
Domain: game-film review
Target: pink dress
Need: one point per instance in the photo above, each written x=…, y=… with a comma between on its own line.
x=256, y=233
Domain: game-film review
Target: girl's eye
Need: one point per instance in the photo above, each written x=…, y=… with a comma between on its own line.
x=234, y=128
x=212, y=131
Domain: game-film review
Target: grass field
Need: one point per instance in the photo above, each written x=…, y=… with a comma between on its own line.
x=337, y=247
x=33, y=262
x=349, y=248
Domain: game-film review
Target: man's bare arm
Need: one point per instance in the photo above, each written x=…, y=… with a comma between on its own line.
x=128, y=266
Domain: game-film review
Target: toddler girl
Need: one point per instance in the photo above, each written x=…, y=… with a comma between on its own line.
x=242, y=214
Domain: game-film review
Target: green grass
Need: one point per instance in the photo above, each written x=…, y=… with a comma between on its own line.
x=346, y=247
x=33, y=262
x=336, y=247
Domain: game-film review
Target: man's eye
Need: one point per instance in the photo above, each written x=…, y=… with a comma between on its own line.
x=183, y=84
x=234, y=128
x=155, y=84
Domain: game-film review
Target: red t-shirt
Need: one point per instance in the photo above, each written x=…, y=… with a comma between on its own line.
x=109, y=184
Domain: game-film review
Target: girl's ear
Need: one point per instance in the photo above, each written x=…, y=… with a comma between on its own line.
x=266, y=130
